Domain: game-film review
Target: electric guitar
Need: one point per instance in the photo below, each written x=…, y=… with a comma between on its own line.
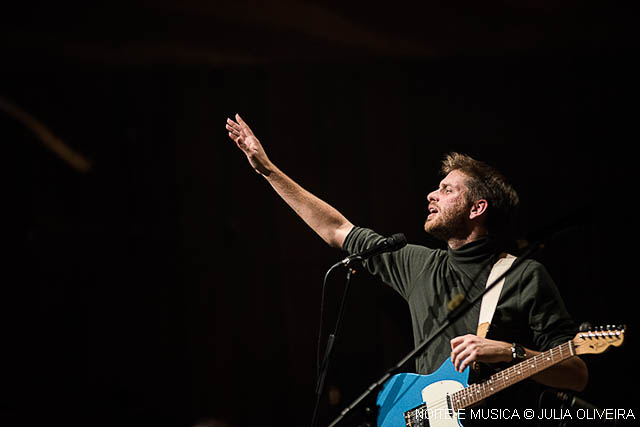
x=435, y=400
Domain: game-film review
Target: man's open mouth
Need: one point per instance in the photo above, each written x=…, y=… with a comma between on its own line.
x=433, y=211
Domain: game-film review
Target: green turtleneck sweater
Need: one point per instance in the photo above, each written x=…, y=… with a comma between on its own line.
x=530, y=310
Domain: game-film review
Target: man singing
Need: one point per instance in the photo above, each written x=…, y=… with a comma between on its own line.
x=468, y=211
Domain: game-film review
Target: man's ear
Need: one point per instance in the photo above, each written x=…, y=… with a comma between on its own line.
x=478, y=208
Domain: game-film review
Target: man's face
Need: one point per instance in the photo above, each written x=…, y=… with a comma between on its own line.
x=448, y=208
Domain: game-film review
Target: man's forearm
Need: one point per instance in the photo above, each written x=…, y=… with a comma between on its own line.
x=570, y=374
x=330, y=224
x=324, y=219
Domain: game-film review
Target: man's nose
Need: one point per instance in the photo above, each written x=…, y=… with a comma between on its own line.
x=432, y=197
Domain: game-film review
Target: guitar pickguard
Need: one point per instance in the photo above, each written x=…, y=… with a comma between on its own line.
x=437, y=409
x=403, y=392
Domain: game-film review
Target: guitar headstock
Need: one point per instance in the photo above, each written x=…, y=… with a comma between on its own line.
x=598, y=339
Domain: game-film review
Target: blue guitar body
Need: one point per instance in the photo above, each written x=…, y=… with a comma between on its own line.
x=429, y=400
x=404, y=392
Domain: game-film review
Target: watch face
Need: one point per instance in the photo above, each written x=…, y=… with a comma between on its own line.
x=518, y=351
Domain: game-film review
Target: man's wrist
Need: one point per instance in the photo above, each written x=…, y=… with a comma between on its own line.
x=265, y=170
x=507, y=353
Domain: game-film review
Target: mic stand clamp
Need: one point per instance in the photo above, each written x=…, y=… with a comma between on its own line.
x=352, y=259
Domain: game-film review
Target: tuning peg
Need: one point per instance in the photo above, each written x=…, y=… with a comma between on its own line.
x=585, y=327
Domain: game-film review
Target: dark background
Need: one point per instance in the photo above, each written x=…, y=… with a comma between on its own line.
x=167, y=283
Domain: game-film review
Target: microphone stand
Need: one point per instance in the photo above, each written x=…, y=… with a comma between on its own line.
x=457, y=312
x=328, y=352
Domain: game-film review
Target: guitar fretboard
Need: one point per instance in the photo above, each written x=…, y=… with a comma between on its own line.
x=476, y=392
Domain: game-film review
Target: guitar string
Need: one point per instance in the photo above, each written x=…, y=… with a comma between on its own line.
x=468, y=392
x=538, y=365
x=513, y=374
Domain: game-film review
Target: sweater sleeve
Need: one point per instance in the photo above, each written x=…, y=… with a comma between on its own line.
x=397, y=269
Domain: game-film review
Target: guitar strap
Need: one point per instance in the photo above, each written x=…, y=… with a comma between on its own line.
x=490, y=299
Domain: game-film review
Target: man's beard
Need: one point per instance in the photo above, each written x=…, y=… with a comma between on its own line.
x=449, y=224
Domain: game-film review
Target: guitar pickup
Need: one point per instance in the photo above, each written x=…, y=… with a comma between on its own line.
x=449, y=405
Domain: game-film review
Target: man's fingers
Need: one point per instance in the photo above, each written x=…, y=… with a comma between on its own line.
x=239, y=140
x=239, y=132
x=456, y=342
x=233, y=130
x=463, y=351
x=469, y=357
x=245, y=127
x=456, y=357
x=231, y=125
x=241, y=122
x=463, y=359
x=456, y=349
x=462, y=339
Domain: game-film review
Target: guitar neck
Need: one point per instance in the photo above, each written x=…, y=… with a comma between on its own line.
x=473, y=394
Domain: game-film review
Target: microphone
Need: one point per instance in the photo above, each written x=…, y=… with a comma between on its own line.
x=389, y=244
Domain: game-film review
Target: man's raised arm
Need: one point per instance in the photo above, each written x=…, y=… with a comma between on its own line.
x=325, y=220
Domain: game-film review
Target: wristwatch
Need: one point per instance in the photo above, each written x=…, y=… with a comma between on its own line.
x=518, y=352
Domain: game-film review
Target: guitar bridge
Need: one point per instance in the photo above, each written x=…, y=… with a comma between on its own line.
x=417, y=417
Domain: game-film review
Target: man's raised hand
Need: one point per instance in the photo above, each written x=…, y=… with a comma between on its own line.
x=325, y=220
x=244, y=138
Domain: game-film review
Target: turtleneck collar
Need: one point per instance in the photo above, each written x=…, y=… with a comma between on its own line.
x=474, y=252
